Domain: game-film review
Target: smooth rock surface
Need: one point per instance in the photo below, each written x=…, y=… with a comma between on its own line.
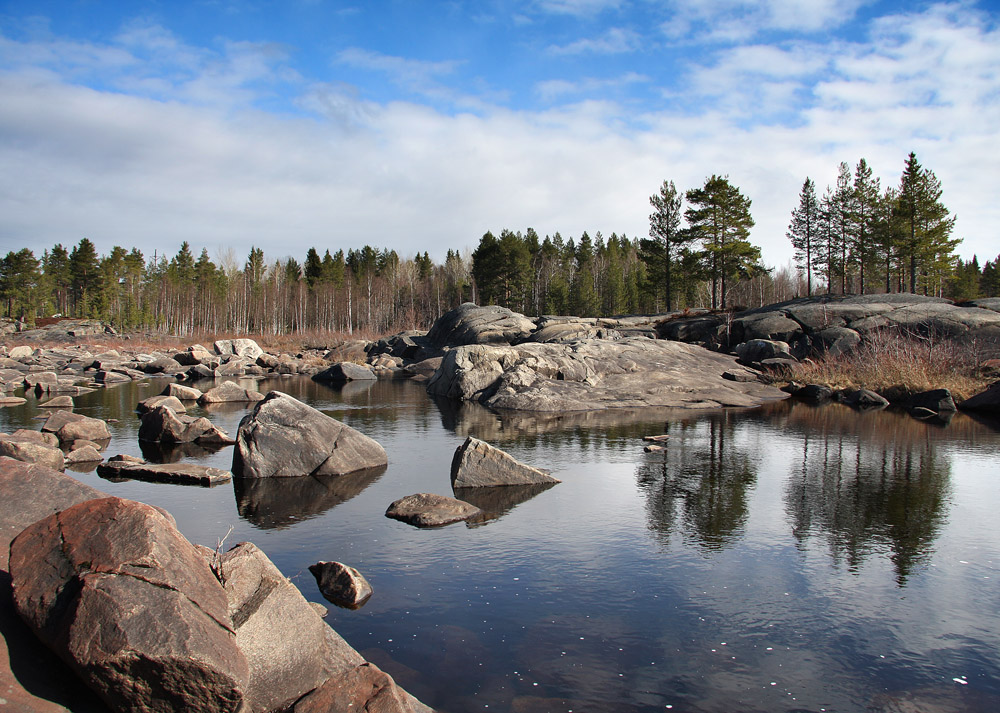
x=596, y=375
x=171, y=402
x=70, y=426
x=229, y=391
x=246, y=348
x=364, y=688
x=30, y=450
x=471, y=324
x=181, y=392
x=477, y=464
x=430, y=510
x=283, y=437
x=984, y=402
x=345, y=371
x=131, y=605
x=182, y=473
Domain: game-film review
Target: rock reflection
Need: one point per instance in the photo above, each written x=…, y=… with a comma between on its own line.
x=868, y=483
x=699, y=485
x=160, y=452
x=276, y=503
x=497, y=502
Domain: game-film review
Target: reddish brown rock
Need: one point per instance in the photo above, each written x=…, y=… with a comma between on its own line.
x=132, y=606
x=342, y=584
x=363, y=688
x=429, y=510
x=30, y=450
x=69, y=426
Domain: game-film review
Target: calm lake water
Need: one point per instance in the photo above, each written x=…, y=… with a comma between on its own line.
x=789, y=558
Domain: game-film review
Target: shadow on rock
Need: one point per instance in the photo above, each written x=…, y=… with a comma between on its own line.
x=498, y=501
x=276, y=503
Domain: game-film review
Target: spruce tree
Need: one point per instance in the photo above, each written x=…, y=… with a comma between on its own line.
x=666, y=241
x=803, y=231
x=864, y=216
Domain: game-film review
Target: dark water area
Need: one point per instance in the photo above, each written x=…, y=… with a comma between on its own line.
x=788, y=558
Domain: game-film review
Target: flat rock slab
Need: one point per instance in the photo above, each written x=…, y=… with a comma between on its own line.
x=477, y=464
x=182, y=473
x=594, y=375
x=429, y=510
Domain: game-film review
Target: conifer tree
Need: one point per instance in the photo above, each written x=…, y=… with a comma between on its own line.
x=864, y=216
x=803, y=231
x=667, y=240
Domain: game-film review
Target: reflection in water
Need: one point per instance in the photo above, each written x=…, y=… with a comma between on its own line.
x=160, y=452
x=497, y=502
x=867, y=482
x=276, y=503
x=703, y=477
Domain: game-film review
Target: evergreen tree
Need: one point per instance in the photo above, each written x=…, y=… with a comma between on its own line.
x=313, y=269
x=803, y=231
x=865, y=217
x=19, y=278
x=841, y=208
x=85, y=277
x=719, y=216
x=989, y=284
x=926, y=226
x=666, y=239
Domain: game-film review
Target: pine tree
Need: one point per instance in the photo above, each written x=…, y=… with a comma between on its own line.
x=926, y=235
x=864, y=217
x=85, y=277
x=803, y=231
x=667, y=240
x=719, y=216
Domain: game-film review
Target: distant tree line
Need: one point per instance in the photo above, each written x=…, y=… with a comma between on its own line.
x=856, y=238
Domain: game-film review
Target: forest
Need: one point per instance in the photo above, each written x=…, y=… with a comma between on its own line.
x=855, y=238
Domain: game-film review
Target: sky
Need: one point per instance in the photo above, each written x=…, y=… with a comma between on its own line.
x=419, y=126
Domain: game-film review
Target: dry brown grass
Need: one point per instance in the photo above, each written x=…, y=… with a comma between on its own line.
x=897, y=365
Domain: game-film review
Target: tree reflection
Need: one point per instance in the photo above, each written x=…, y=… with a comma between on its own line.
x=867, y=483
x=700, y=483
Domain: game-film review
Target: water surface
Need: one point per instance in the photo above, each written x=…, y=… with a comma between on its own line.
x=788, y=558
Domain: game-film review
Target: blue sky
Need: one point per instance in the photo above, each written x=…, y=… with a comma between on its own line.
x=419, y=126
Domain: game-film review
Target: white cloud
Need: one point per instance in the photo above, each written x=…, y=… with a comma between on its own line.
x=738, y=20
x=615, y=41
x=554, y=89
x=167, y=165
x=578, y=7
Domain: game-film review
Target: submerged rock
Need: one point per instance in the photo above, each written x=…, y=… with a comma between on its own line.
x=342, y=584
x=429, y=510
x=477, y=464
x=283, y=437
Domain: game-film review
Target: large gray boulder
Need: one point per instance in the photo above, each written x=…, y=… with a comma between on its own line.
x=246, y=348
x=171, y=402
x=471, y=324
x=477, y=464
x=70, y=426
x=755, y=351
x=593, y=375
x=345, y=371
x=131, y=605
x=283, y=437
x=229, y=391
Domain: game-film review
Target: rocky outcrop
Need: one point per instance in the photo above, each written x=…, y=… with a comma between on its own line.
x=283, y=437
x=430, y=510
x=471, y=324
x=132, y=607
x=341, y=584
x=163, y=424
x=364, y=688
x=596, y=375
x=477, y=464
x=181, y=473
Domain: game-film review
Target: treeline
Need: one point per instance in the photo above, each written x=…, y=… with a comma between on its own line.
x=858, y=238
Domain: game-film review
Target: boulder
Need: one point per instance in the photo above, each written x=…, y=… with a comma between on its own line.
x=195, y=354
x=284, y=437
x=836, y=341
x=69, y=426
x=181, y=392
x=814, y=393
x=936, y=400
x=29, y=450
x=345, y=371
x=170, y=402
x=233, y=366
x=477, y=464
x=113, y=377
x=164, y=425
x=182, y=473
x=131, y=605
x=429, y=510
x=290, y=649
x=12, y=401
x=471, y=324
x=84, y=454
x=229, y=391
x=49, y=439
x=984, y=402
x=246, y=348
x=41, y=381
x=64, y=402
x=341, y=584
x=20, y=352
x=163, y=365
x=862, y=399
x=757, y=350
x=754, y=325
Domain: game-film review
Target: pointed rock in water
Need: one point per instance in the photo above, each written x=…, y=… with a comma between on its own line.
x=171, y=402
x=163, y=425
x=63, y=402
x=477, y=464
x=183, y=393
x=341, y=584
x=429, y=510
x=158, y=634
x=283, y=437
x=986, y=402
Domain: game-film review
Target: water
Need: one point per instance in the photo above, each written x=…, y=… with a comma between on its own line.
x=788, y=558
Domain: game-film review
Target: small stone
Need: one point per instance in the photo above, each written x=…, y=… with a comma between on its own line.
x=341, y=584
x=429, y=510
